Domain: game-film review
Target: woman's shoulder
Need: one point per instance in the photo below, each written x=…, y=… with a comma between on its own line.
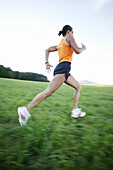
x=68, y=39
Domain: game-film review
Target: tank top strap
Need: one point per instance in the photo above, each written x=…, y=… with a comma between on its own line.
x=66, y=41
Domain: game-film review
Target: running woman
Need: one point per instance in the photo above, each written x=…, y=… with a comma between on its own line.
x=61, y=74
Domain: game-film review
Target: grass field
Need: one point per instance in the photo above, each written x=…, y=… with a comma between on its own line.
x=53, y=140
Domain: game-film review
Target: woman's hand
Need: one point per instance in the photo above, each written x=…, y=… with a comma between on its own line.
x=83, y=46
x=48, y=67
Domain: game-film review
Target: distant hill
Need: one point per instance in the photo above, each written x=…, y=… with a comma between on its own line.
x=86, y=82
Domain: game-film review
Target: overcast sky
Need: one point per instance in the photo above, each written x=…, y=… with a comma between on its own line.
x=28, y=27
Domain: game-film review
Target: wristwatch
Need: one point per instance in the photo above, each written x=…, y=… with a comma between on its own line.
x=46, y=62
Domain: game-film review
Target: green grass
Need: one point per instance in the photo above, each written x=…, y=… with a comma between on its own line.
x=53, y=140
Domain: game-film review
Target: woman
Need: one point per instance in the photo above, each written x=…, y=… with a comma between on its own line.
x=61, y=74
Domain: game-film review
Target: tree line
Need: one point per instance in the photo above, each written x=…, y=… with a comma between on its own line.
x=6, y=72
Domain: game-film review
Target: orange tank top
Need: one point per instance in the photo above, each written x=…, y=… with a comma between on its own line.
x=65, y=51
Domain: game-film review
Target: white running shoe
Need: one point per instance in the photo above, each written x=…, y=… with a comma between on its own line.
x=23, y=115
x=77, y=113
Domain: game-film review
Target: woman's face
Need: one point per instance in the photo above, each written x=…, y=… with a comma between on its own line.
x=70, y=33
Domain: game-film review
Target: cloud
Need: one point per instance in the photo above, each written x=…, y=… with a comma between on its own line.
x=98, y=4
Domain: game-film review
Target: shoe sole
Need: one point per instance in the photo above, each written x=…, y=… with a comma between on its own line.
x=75, y=116
x=19, y=111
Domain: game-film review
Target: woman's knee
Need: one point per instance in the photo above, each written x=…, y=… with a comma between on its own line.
x=47, y=93
x=79, y=87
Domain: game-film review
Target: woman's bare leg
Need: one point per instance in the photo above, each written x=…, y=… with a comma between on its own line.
x=53, y=86
x=72, y=82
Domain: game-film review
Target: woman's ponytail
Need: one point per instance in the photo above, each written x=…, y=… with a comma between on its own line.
x=60, y=32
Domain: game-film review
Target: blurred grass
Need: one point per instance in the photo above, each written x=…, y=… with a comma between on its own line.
x=53, y=140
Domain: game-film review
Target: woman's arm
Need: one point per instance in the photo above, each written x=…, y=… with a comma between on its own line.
x=50, y=49
x=75, y=47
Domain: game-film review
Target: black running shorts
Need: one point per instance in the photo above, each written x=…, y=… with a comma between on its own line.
x=63, y=67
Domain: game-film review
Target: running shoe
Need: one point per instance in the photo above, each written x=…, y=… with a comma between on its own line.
x=77, y=113
x=23, y=115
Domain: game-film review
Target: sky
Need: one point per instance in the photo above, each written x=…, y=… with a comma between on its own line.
x=29, y=27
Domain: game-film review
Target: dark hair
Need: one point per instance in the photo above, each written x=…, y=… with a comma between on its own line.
x=64, y=30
